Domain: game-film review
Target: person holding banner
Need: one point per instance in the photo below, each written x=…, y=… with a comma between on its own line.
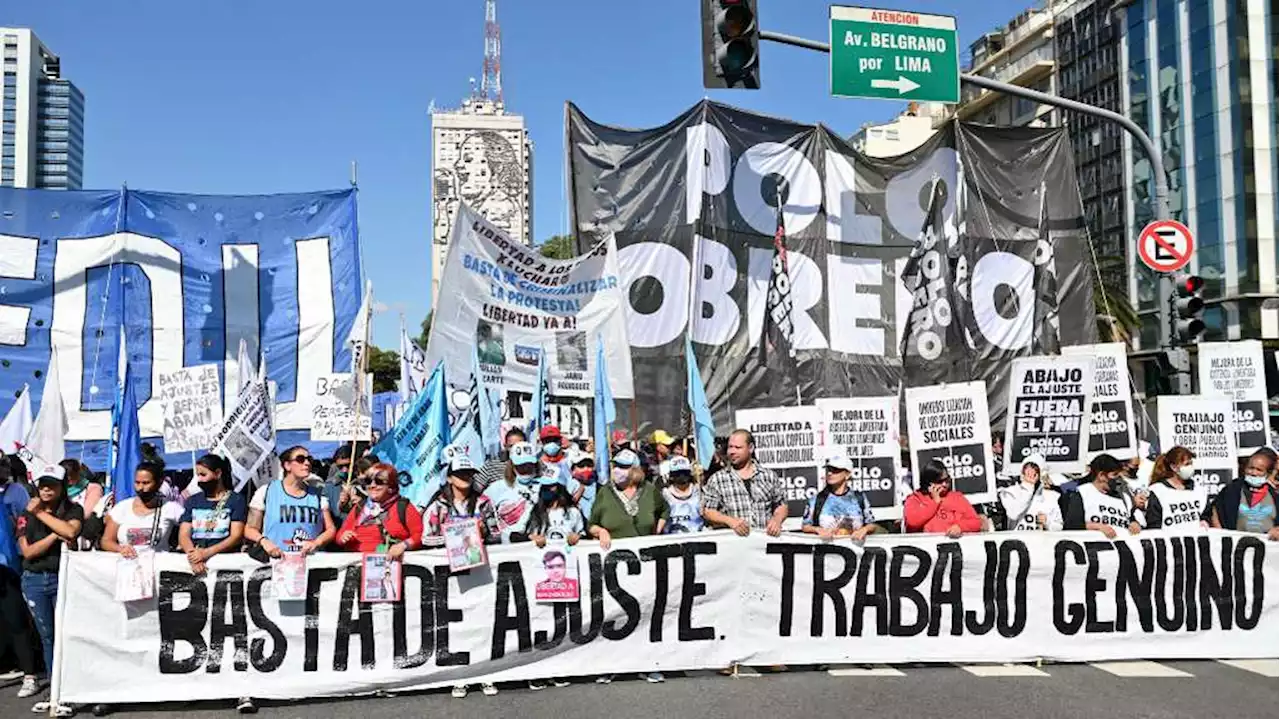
x=683, y=497
x=935, y=508
x=630, y=506
x=50, y=521
x=1175, y=500
x=744, y=495
x=459, y=498
x=213, y=521
x=289, y=515
x=144, y=521
x=16, y=634
x=1249, y=504
x=1032, y=503
x=1102, y=504
x=513, y=498
x=555, y=518
x=388, y=523
x=839, y=510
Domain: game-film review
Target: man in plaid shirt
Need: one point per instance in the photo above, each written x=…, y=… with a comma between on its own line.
x=744, y=495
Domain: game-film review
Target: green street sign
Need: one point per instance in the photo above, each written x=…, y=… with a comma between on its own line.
x=894, y=55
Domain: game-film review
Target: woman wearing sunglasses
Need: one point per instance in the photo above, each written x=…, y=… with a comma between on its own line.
x=386, y=522
x=290, y=515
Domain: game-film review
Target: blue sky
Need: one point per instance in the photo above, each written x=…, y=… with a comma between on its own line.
x=260, y=97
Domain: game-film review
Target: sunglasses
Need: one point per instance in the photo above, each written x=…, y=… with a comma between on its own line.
x=304, y=459
x=382, y=482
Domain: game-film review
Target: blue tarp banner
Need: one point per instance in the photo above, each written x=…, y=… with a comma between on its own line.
x=179, y=280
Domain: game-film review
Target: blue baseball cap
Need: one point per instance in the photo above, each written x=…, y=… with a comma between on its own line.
x=625, y=458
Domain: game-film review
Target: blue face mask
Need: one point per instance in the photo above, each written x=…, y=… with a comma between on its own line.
x=526, y=479
x=551, y=448
x=548, y=495
x=1255, y=482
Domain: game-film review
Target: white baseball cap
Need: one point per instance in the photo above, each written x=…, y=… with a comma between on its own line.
x=625, y=458
x=839, y=461
x=461, y=463
x=523, y=453
x=1037, y=459
x=679, y=464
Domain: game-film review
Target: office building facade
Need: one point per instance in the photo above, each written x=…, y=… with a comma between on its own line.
x=480, y=155
x=42, y=144
x=1202, y=79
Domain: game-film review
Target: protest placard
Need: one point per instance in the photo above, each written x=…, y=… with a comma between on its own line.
x=380, y=579
x=865, y=429
x=1111, y=421
x=1235, y=370
x=557, y=577
x=464, y=544
x=136, y=577
x=247, y=435
x=1206, y=426
x=950, y=424
x=1049, y=399
x=787, y=440
x=334, y=415
x=289, y=576
x=191, y=399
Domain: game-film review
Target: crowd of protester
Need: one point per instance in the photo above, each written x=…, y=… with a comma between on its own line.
x=550, y=492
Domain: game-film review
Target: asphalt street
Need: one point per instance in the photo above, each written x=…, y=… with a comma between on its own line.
x=1134, y=690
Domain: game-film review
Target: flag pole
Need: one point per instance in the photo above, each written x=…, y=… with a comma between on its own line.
x=358, y=381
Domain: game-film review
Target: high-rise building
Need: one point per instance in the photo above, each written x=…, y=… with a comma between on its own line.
x=43, y=117
x=1088, y=47
x=1020, y=53
x=482, y=156
x=1201, y=78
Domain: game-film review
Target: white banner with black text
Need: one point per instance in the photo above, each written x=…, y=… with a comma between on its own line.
x=665, y=603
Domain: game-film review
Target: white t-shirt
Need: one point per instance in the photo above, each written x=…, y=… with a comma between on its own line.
x=135, y=530
x=259, y=500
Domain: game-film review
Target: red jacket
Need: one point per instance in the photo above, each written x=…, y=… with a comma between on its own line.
x=922, y=514
x=368, y=534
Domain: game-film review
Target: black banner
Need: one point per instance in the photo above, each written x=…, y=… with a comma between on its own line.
x=713, y=173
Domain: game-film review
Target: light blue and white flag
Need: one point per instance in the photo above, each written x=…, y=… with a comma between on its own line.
x=704, y=427
x=415, y=445
x=604, y=412
x=539, y=413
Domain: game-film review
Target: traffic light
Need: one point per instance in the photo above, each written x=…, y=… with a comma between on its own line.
x=730, y=44
x=1186, y=308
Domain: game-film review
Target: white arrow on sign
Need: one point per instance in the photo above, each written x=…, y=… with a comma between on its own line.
x=902, y=84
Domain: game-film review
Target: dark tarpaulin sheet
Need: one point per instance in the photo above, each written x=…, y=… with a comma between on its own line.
x=851, y=222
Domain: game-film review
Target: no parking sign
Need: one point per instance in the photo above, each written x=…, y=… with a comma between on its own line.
x=1165, y=245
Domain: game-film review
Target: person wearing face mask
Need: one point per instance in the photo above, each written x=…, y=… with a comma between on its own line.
x=1032, y=503
x=552, y=446
x=213, y=520
x=1102, y=504
x=1249, y=503
x=839, y=510
x=583, y=480
x=143, y=521
x=935, y=507
x=1176, y=501
x=494, y=470
x=513, y=498
x=459, y=498
x=630, y=506
x=683, y=497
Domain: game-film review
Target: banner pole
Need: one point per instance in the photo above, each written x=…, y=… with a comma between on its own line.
x=358, y=380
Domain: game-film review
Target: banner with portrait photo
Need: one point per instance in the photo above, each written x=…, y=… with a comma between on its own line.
x=950, y=424
x=1048, y=413
x=866, y=429
x=514, y=306
x=1111, y=417
x=1235, y=370
x=788, y=441
x=1206, y=426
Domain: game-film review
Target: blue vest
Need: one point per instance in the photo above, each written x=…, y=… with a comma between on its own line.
x=287, y=520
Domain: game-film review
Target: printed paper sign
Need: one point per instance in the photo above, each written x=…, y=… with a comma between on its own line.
x=1049, y=400
x=511, y=304
x=192, y=402
x=1111, y=423
x=557, y=580
x=380, y=579
x=136, y=578
x=334, y=416
x=1234, y=369
x=787, y=442
x=247, y=436
x=1206, y=426
x=289, y=576
x=464, y=544
x=865, y=429
x=950, y=424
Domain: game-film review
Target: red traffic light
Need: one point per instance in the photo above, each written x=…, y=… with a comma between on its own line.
x=1187, y=284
